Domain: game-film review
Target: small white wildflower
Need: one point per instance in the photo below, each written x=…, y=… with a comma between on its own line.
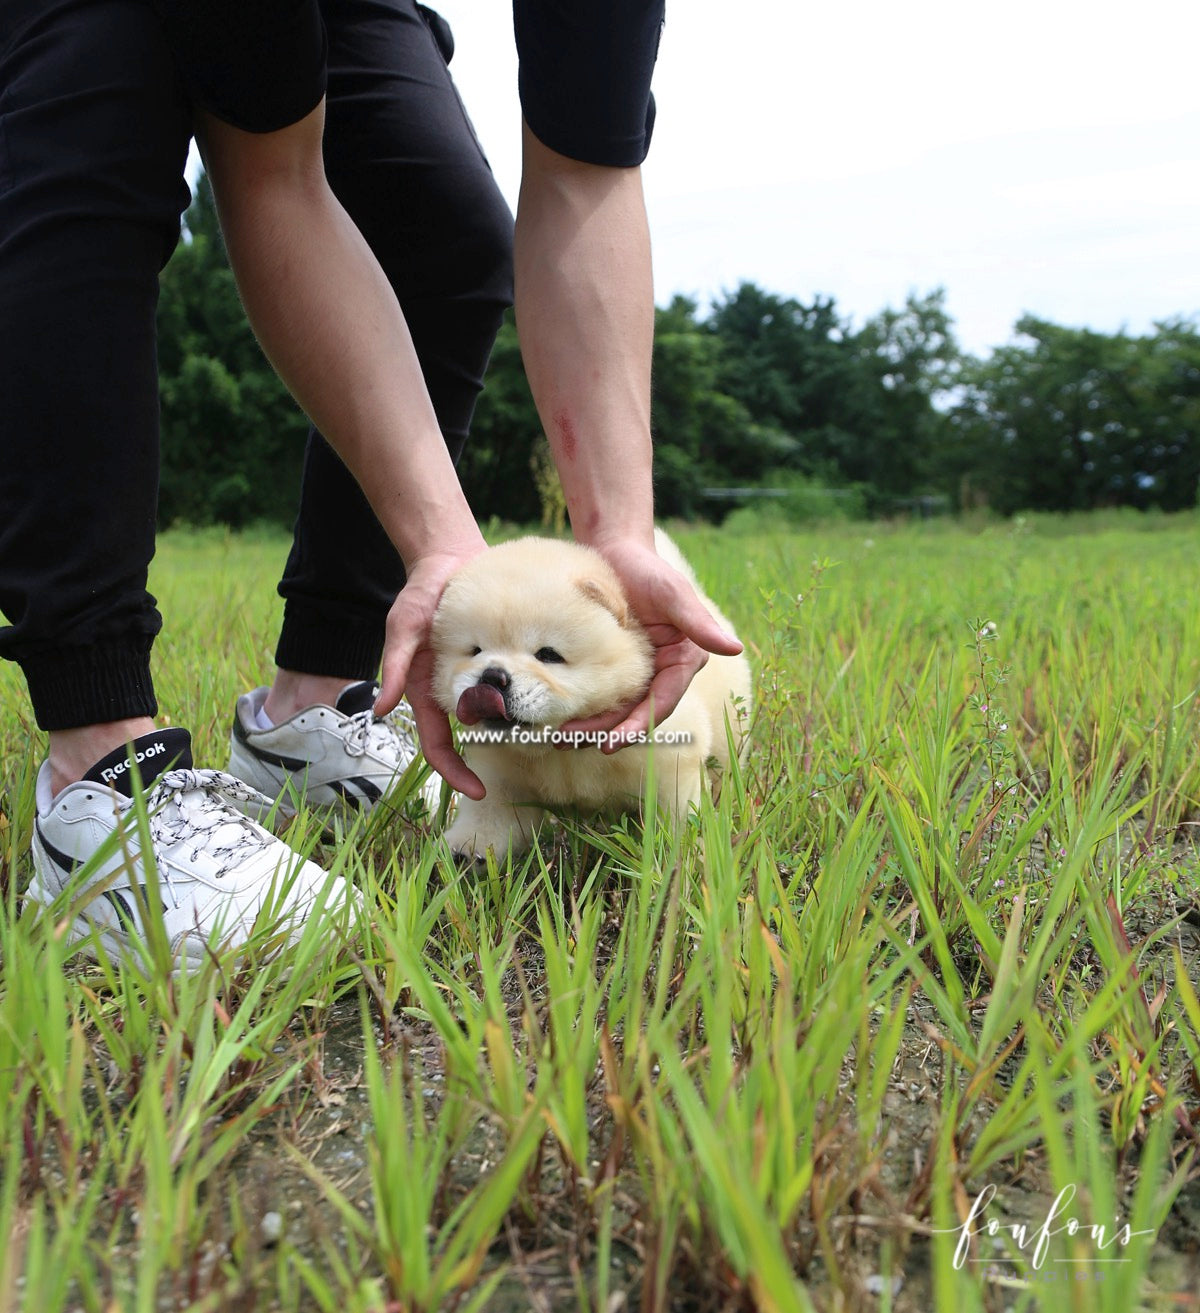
x=868, y=542
x=988, y=629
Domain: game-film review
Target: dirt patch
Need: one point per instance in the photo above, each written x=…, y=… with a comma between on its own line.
x=880, y=1240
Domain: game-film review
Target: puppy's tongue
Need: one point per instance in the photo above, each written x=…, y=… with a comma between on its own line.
x=481, y=702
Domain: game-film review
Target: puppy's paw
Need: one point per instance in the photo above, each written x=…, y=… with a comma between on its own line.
x=500, y=829
x=472, y=848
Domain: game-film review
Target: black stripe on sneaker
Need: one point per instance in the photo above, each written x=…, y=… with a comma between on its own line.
x=69, y=865
x=371, y=793
x=124, y=911
x=275, y=758
x=62, y=860
x=242, y=735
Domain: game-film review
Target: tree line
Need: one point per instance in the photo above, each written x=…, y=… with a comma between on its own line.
x=759, y=401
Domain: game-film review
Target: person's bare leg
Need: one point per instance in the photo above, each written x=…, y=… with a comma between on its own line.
x=292, y=691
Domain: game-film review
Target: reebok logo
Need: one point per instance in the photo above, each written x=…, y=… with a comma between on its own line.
x=153, y=752
x=111, y=774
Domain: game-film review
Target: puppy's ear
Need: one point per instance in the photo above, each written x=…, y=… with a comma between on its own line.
x=607, y=597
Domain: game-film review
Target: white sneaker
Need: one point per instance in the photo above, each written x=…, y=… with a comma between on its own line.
x=214, y=869
x=341, y=758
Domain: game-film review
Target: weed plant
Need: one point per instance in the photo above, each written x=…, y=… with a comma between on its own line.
x=906, y=1017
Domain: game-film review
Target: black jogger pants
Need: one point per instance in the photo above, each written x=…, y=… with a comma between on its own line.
x=94, y=130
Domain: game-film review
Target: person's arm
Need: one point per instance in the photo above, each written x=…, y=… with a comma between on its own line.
x=585, y=318
x=330, y=324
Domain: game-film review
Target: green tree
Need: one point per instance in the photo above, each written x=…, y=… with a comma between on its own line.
x=1165, y=394
x=1071, y=419
x=855, y=408
x=785, y=362
x=702, y=435
x=762, y=392
x=910, y=362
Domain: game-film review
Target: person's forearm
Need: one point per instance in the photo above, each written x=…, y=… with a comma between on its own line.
x=330, y=324
x=585, y=318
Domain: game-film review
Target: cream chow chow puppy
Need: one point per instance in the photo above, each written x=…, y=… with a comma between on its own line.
x=537, y=633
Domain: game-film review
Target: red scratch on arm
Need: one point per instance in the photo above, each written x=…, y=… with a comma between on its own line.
x=566, y=429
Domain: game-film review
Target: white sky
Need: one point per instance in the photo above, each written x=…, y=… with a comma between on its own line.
x=1035, y=156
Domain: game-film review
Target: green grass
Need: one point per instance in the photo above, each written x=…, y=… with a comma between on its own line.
x=930, y=948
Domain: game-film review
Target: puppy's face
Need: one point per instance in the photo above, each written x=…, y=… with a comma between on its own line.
x=533, y=634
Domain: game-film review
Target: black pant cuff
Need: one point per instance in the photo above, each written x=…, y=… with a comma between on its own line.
x=315, y=643
x=76, y=686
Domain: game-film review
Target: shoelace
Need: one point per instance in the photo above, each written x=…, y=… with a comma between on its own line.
x=198, y=807
x=395, y=733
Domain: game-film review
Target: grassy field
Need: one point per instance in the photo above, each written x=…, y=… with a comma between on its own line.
x=907, y=1020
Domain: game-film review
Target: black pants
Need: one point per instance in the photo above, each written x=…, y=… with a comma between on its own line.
x=94, y=129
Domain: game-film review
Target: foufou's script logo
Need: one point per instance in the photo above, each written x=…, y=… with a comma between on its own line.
x=1034, y=1242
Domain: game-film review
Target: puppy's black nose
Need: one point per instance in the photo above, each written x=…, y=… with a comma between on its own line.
x=496, y=677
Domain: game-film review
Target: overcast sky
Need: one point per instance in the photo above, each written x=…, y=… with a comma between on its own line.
x=1033, y=156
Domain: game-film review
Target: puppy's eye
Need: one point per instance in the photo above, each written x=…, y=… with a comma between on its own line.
x=548, y=656
x=475, y=651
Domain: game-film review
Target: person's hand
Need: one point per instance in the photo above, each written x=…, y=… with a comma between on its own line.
x=408, y=665
x=681, y=630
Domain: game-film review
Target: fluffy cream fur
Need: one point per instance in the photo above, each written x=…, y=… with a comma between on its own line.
x=537, y=633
